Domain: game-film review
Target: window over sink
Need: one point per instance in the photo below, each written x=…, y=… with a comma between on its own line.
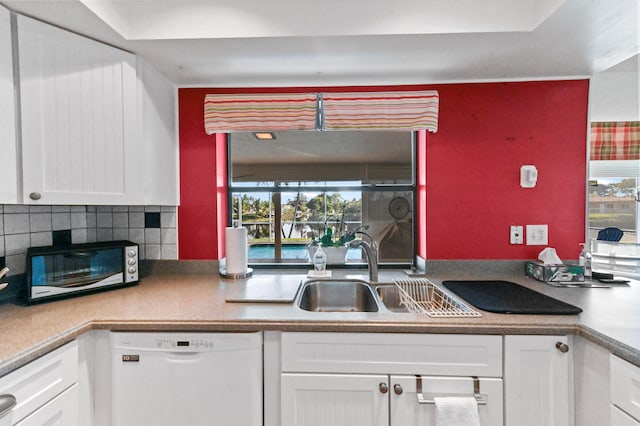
x=293, y=189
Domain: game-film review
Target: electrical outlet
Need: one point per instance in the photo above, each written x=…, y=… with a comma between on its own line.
x=515, y=234
x=537, y=235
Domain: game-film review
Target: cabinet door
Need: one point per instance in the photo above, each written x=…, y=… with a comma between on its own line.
x=8, y=171
x=41, y=380
x=60, y=411
x=537, y=381
x=406, y=411
x=78, y=118
x=625, y=383
x=335, y=400
x=620, y=418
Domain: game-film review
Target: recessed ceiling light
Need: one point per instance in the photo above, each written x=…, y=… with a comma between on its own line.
x=264, y=136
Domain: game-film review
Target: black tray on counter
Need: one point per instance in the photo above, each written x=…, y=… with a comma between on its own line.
x=508, y=298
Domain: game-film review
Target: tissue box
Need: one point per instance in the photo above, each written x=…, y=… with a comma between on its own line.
x=554, y=273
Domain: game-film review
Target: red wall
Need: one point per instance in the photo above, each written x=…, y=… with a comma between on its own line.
x=197, y=213
x=485, y=133
x=472, y=192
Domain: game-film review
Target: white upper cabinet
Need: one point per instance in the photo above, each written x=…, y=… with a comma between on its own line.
x=157, y=121
x=8, y=167
x=80, y=134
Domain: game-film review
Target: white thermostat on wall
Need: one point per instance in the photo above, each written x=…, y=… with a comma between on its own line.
x=528, y=176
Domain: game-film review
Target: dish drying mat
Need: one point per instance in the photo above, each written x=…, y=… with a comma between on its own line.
x=509, y=298
x=422, y=296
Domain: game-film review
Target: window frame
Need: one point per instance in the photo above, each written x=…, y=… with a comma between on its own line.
x=411, y=187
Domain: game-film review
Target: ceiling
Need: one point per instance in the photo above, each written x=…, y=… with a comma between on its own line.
x=253, y=43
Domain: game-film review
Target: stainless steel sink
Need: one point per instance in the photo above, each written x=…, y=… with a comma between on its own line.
x=342, y=295
x=390, y=297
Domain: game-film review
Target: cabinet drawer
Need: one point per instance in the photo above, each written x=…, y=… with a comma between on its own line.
x=62, y=410
x=41, y=380
x=620, y=418
x=372, y=353
x=625, y=386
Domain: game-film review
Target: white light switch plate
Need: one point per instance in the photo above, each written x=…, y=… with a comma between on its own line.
x=537, y=235
x=516, y=234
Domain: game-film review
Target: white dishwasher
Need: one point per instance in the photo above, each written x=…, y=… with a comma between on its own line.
x=189, y=379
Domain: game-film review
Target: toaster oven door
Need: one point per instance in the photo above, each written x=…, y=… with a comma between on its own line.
x=65, y=272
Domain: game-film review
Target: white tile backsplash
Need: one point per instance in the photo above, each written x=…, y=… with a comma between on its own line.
x=16, y=223
x=41, y=239
x=136, y=220
x=61, y=220
x=152, y=235
x=152, y=251
x=168, y=236
x=23, y=226
x=79, y=236
x=9, y=208
x=104, y=220
x=39, y=222
x=121, y=220
x=104, y=234
x=78, y=220
x=17, y=244
x=120, y=233
x=168, y=219
x=39, y=209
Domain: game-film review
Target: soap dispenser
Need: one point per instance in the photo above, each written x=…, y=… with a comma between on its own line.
x=585, y=260
x=319, y=261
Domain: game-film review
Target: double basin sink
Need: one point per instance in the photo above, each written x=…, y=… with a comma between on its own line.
x=349, y=295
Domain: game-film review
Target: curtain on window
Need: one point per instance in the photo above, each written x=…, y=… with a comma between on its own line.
x=381, y=110
x=224, y=113
x=615, y=140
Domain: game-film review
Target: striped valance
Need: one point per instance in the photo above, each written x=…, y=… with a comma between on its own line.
x=381, y=110
x=619, y=140
x=224, y=113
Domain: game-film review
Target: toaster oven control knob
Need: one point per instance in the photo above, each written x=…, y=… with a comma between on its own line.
x=132, y=269
x=35, y=196
x=131, y=253
x=131, y=261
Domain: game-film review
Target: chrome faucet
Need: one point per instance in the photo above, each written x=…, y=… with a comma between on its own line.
x=372, y=258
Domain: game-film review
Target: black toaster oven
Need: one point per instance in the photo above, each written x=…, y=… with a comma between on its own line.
x=70, y=270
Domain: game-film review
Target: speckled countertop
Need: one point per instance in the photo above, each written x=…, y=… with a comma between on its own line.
x=611, y=317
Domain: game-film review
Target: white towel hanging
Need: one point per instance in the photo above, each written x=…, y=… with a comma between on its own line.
x=456, y=411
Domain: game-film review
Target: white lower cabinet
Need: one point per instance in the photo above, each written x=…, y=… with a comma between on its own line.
x=332, y=379
x=45, y=390
x=620, y=418
x=62, y=410
x=334, y=399
x=538, y=381
x=625, y=392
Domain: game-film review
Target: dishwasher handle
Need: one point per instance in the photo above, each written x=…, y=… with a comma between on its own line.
x=7, y=402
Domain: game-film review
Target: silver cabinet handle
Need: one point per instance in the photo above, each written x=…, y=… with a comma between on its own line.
x=7, y=402
x=397, y=389
x=383, y=387
x=35, y=196
x=562, y=347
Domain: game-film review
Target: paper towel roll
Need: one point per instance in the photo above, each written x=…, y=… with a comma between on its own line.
x=236, y=249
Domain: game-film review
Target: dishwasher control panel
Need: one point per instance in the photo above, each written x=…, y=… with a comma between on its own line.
x=168, y=343
x=182, y=342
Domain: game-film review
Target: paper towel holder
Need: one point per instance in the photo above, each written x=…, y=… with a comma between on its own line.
x=233, y=275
